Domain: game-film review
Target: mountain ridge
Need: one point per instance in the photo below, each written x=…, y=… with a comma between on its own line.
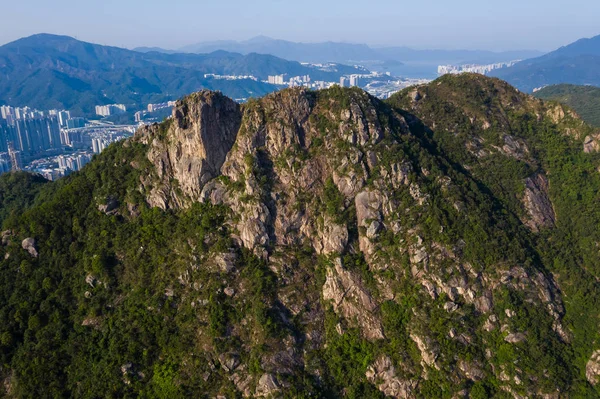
x=115, y=75
x=315, y=244
x=358, y=52
x=576, y=63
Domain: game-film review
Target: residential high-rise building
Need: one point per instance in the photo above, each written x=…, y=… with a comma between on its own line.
x=5, y=163
x=112, y=109
x=31, y=136
x=63, y=117
x=276, y=79
x=343, y=81
x=96, y=146
x=75, y=123
x=82, y=160
x=354, y=80
x=15, y=158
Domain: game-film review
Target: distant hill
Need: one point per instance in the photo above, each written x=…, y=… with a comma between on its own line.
x=48, y=71
x=402, y=61
x=303, y=52
x=454, y=56
x=577, y=63
x=152, y=49
x=585, y=100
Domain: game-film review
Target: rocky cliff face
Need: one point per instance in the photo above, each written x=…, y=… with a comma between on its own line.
x=191, y=149
x=442, y=244
x=343, y=175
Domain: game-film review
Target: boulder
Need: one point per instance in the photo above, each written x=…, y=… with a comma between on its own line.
x=590, y=144
x=374, y=229
x=229, y=361
x=6, y=235
x=28, y=245
x=226, y=261
x=592, y=368
x=515, y=338
x=267, y=385
x=428, y=348
x=334, y=238
x=110, y=206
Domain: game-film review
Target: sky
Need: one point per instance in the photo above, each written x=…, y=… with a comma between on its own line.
x=424, y=24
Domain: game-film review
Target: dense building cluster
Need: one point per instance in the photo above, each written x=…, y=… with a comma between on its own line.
x=473, y=68
x=52, y=142
x=306, y=81
x=30, y=132
x=112, y=109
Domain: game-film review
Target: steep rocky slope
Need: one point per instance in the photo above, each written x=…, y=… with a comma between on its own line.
x=310, y=244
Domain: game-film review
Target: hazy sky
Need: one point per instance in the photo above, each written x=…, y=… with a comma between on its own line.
x=452, y=24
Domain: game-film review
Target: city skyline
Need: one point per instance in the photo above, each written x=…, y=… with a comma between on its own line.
x=465, y=24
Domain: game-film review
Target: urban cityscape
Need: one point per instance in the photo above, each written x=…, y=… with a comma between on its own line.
x=54, y=144
x=474, y=68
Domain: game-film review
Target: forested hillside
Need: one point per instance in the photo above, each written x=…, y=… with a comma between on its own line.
x=314, y=244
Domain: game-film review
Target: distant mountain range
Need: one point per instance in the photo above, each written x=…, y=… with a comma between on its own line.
x=48, y=71
x=585, y=100
x=398, y=60
x=577, y=63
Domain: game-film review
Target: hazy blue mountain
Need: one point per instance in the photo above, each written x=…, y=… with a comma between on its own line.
x=152, y=49
x=49, y=71
x=455, y=56
x=397, y=60
x=577, y=63
x=303, y=52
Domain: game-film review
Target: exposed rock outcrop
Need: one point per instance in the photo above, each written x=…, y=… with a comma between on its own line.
x=428, y=348
x=537, y=203
x=109, y=206
x=271, y=167
x=351, y=300
x=591, y=144
x=200, y=134
x=383, y=374
x=267, y=385
x=592, y=368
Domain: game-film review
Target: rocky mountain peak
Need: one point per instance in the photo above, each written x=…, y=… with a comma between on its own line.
x=192, y=145
x=326, y=243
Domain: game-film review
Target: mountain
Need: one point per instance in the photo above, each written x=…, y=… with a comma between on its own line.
x=154, y=49
x=454, y=57
x=577, y=63
x=585, y=100
x=48, y=71
x=314, y=244
x=303, y=52
x=413, y=63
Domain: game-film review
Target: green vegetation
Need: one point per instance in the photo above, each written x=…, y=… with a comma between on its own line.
x=145, y=302
x=107, y=75
x=565, y=250
x=585, y=100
